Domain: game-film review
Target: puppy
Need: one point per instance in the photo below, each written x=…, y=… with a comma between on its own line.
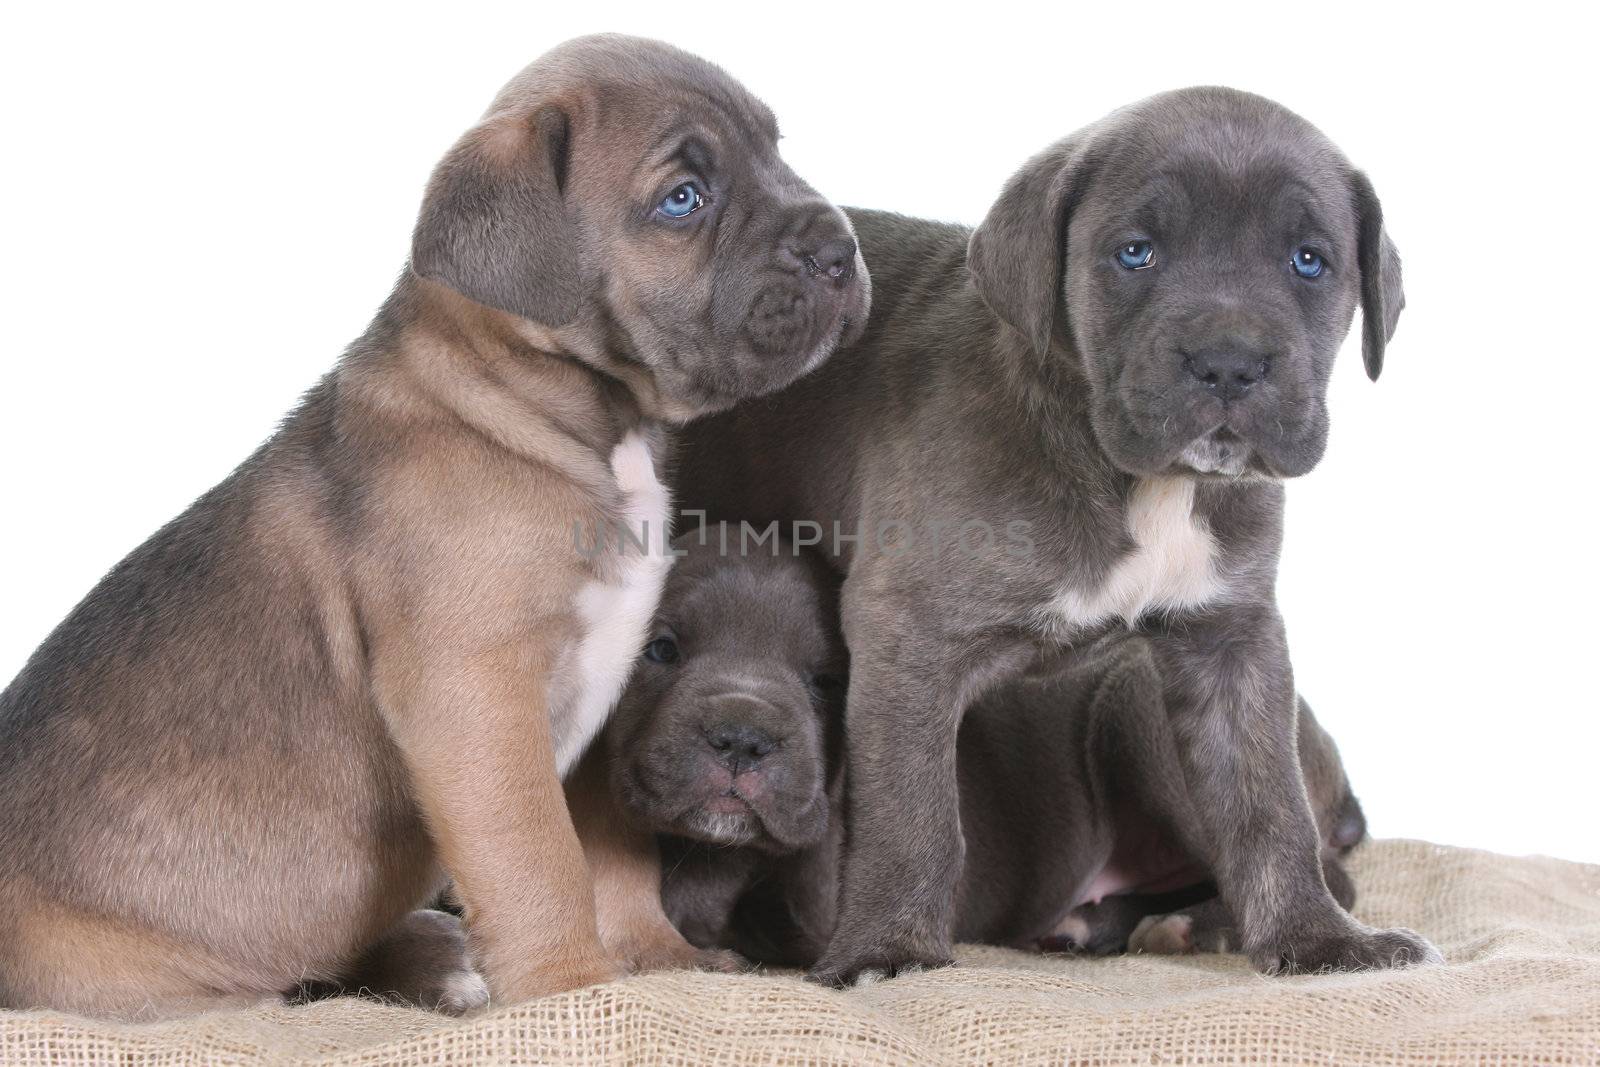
x=360, y=664
x=726, y=744
x=1077, y=419
x=725, y=734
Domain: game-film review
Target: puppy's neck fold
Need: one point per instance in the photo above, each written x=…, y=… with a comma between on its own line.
x=512, y=382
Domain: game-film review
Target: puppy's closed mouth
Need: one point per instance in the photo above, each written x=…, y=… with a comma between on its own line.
x=729, y=803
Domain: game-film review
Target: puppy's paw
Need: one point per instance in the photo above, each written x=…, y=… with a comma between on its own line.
x=424, y=961
x=1163, y=935
x=664, y=949
x=558, y=977
x=721, y=961
x=679, y=955
x=873, y=975
x=442, y=977
x=460, y=992
x=1359, y=948
x=1069, y=938
x=842, y=969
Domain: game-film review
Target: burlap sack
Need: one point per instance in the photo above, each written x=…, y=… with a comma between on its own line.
x=1522, y=986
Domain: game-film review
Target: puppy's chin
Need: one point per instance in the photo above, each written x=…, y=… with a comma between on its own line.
x=779, y=825
x=762, y=362
x=775, y=825
x=1222, y=455
x=844, y=332
x=705, y=395
x=722, y=825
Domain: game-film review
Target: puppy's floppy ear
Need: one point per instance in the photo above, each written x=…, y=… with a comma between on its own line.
x=494, y=225
x=1015, y=255
x=1381, y=294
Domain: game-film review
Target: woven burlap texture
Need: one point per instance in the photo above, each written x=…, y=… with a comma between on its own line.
x=1521, y=986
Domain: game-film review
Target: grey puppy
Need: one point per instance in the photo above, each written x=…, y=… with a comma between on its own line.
x=733, y=714
x=1072, y=797
x=1074, y=419
x=727, y=742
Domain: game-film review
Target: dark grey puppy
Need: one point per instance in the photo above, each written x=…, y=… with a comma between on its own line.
x=724, y=732
x=728, y=734
x=1072, y=796
x=1076, y=425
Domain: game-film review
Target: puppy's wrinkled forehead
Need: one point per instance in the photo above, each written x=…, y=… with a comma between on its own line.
x=737, y=601
x=649, y=89
x=1218, y=153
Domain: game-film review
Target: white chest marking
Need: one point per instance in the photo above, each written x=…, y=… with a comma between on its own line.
x=615, y=615
x=1172, y=566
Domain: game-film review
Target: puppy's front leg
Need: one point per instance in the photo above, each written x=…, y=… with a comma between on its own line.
x=1230, y=693
x=474, y=727
x=909, y=685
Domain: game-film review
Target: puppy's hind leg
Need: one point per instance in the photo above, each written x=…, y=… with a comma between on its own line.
x=1209, y=925
x=1231, y=699
x=58, y=956
x=1204, y=927
x=1117, y=923
x=423, y=961
x=1099, y=929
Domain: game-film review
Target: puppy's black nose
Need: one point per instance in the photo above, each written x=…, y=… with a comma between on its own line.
x=740, y=745
x=1229, y=373
x=833, y=259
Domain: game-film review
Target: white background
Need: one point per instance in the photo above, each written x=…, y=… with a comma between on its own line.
x=203, y=206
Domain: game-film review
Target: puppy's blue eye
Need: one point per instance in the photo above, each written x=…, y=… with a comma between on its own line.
x=682, y=202
x=1136, y=255
x=662, y=650
x=1307, y=263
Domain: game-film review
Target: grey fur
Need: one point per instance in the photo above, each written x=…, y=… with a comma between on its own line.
x=1069, y=777
x=1043, y=385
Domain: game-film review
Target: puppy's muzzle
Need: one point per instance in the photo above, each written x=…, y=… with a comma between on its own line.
x=815, y=299
x=743, y=761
